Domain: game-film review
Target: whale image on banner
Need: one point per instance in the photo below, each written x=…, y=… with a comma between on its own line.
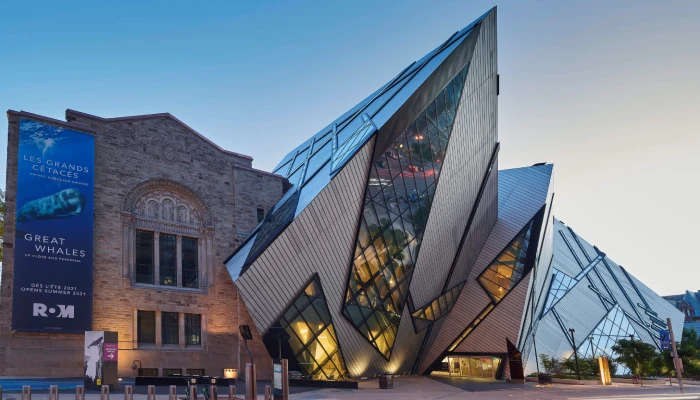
x=54, y=229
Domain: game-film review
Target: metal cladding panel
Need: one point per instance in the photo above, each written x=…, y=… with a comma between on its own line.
x=319, y=240
x=501, y=324
x=484, y=220
x=525, y=191
x=473, y=140
x=661, y=306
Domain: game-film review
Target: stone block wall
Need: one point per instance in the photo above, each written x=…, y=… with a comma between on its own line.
x=130, y=151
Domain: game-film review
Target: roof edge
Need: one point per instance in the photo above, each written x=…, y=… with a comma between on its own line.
x=50, y=120
x=70, y=112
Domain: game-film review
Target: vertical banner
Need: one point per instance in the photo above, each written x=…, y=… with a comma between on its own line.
x=54, y=229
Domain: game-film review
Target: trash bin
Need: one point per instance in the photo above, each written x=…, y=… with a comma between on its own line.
x=544, y=379
x=386, y=381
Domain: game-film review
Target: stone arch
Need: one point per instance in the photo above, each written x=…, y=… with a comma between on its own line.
x=139, y=198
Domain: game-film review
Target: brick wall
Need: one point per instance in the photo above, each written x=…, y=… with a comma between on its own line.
x=129, y=151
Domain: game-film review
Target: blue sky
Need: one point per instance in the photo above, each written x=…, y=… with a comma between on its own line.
x=607, y=91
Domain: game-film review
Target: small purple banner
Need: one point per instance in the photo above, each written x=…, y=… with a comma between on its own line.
x=109, y=352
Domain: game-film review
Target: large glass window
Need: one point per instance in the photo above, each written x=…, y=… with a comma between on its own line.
x=190, y=267
x=312, y=339
x=401, y=187
x=146, y=327
x=168, y=263
x=193, y=329
x=170, y=328
x=436, y=309
x=144, y=256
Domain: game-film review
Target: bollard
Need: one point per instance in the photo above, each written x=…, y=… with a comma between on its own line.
x=104, y=392
x=231, y=392
x=151, y=393
x=251, y=385
x=268, y=392
x=0, y=392
x=193, y=392
x=172, y=392
x=26, y=393
x=128, y=392
x=212, y=391
x=53, y=392
x=80, y=392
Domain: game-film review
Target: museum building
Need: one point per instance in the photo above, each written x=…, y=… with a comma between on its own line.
x=169, y=205
x=388, y=242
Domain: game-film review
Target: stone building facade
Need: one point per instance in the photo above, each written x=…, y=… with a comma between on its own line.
x=155, y=176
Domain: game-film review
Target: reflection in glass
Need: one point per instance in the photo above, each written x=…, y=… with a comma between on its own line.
x=312, y=346
x=400, y=190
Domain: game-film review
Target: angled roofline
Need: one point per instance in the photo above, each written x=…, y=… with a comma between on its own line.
x=70, y=112
x=49, y=120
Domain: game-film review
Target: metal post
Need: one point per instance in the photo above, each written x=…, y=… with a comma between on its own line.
x=104, y=392
x=53, y=392
x=268, y=392
x=151, y=392
x=231, y=392
x=26, y=393
x=676, y=360
x=573, y=342
x=80, y=392
x=193, y=392
x=172, y=392
x=251, y=386
x=0, y=392
x=128, y=392
x=212, y=390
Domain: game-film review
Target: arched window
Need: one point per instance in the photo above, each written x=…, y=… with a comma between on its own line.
x=261, y=214
x=168, y=233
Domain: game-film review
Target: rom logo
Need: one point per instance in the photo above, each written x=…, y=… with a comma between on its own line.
x=60, y=311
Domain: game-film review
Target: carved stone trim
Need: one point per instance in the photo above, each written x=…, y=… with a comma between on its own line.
x=137, y=202
x=167, y=227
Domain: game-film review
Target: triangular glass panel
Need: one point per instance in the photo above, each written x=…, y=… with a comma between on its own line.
x=310, y=338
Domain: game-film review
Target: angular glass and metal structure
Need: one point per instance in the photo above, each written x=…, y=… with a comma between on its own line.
x=401, y=243
x=310, y=342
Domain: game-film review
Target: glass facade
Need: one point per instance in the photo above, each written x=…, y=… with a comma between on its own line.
x=312, y=344
x=508, y=268
x=398, y=198
x=613, y=327
x=561, y=283
x=436, y=309
x=506, y=271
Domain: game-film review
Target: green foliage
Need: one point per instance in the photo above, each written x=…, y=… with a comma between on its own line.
x=662, y=364
x=636, y=355
x=688, y=350
x=551, y=365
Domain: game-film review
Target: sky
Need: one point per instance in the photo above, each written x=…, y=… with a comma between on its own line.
x=608, y=91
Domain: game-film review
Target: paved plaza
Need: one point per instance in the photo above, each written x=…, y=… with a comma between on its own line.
x=405, y=387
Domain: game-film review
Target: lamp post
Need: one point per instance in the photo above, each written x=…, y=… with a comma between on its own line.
x=573, y=342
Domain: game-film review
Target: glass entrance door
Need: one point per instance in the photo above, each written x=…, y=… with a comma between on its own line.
x=487, y=367
x=464, y=365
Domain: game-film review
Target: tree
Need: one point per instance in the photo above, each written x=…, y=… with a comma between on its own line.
x=663, y=365
x=635, y=355
x=551, y=365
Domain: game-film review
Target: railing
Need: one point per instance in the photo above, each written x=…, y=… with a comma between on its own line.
x=211, y=394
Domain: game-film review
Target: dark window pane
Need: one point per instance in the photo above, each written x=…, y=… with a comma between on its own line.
x=261, y=214
x=172, y=371
x=146, y=327
x=195, y=371
x=144, y=256
x=190, y=264
x=168, y=264
x=148, y=371
x=193, y=329
x=170, y=328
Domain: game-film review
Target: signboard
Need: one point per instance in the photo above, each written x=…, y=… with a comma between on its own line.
x=277, y=377
x=665, y=337
x=100, y=355
x=54, y=229
x=110, y=352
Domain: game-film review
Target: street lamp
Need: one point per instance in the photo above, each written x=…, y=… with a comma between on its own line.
x=573, y=342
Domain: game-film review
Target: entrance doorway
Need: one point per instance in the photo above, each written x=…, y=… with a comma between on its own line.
x=472, y=366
